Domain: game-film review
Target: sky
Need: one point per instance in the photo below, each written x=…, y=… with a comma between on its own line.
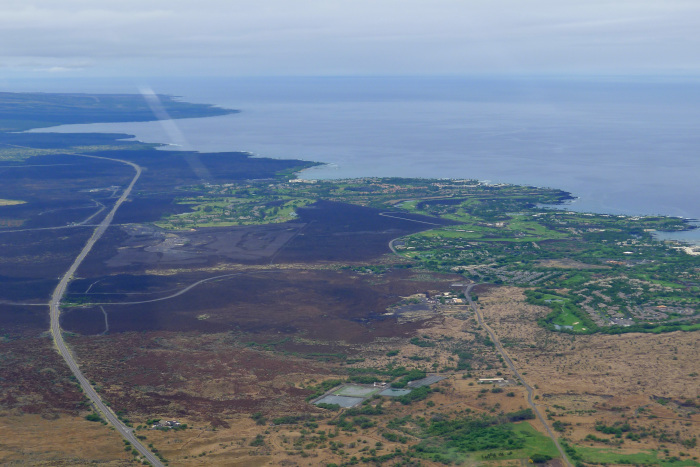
x=348, y=37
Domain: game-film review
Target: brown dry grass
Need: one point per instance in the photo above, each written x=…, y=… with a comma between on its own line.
x=565, y=263
x=290, y=444
x=67, y=440
x=215, y=382
x=608, y=378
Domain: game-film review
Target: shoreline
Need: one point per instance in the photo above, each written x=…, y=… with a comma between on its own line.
x=686, y=245
x=307, y=173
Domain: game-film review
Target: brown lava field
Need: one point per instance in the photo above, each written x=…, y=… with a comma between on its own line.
x=214, y=325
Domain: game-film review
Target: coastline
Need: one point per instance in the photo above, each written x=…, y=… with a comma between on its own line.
x=347, y=165
x=688, y=240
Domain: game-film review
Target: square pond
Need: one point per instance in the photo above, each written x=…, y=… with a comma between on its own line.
x=356, y=391
x=342, y=401
x=393, y=392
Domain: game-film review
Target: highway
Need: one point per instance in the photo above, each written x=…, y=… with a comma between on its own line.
x=55, y=312
x=517, y=374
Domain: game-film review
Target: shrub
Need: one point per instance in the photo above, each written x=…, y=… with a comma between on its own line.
x=417, y=394
x=258, y=417
x=258, y=441
x=332, y=407
x=518, y=415
x=540, y=458
x=93, y=417
x=422, y=343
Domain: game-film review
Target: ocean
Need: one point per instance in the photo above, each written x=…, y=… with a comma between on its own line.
x=620, y=146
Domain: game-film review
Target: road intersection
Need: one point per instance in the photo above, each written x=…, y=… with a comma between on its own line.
x=57, y=334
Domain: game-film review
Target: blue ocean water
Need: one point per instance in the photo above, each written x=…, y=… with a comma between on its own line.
x=621, y=146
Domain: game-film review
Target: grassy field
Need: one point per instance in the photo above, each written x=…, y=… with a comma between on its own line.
x=612, y=456
x=532, y=442
x=567, y=318
x=537, y=443
x=230, y=211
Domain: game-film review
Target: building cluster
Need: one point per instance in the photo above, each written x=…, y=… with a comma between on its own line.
x=166, y=424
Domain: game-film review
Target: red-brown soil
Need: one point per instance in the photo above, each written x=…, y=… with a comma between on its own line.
x=325, y=304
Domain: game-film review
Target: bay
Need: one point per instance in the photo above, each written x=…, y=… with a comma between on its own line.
x=621, y=146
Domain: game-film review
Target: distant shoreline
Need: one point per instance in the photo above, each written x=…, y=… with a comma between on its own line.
x=323, y=167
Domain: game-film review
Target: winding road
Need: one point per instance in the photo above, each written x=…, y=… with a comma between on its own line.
x=501, y=350
x=176, y=294
x=55, y=312
x=394, y=216
x=511, y=365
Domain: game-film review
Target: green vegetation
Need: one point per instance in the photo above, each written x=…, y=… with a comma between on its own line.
x=540, y=458
x=259, y=440
x=264, y=202
x=588, y=455
x=404, y=375
x=481, y=438
x=362, y=379
x=458, y=439
x=322, y=387
x=596, y=272
x=22, y=111
x=411, y=375
x=93, y=417
x=415, y=395
x=20, y=154
x=422, y=342
x=227, y=211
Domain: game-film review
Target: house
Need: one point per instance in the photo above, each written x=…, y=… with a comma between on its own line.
x=490, y=380
x=166, y=424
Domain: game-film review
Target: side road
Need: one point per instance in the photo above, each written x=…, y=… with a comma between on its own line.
x=517, y=374
x=55, y=312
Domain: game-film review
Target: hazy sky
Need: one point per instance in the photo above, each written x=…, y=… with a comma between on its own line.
x=332, y=37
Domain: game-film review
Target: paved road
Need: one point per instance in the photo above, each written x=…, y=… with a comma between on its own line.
x=75, y=226
x=501, y=350
x=395, y=216
x=517, y=374
x=176, y=294
x=101, y=207
x=55, y=312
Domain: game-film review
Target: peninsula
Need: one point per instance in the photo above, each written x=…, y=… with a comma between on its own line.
x=216, y=308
